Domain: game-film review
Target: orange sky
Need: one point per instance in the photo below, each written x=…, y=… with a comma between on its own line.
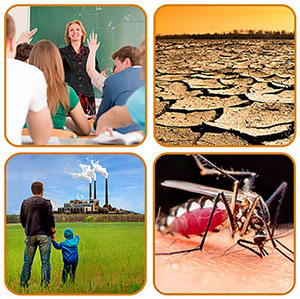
x=177, y=19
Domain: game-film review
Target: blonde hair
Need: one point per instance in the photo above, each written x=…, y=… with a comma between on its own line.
x=46, y=57
x=67, y=39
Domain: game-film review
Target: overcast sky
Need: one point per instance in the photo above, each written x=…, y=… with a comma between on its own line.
x=126, y=179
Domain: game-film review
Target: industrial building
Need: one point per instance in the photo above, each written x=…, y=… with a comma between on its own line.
x=77, y=206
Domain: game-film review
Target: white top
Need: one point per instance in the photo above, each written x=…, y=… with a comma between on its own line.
x=26, y=89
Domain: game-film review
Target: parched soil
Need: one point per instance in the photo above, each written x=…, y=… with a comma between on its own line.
x=224, y=92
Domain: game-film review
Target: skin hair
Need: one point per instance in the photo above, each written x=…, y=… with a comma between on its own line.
x=23, y=51
x=67, y=39
x=130, y=52
x=37, y=188
x=46, y=57
x=10, y=28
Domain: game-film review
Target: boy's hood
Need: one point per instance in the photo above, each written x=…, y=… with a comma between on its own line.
x=68, y=233
x=70, y=241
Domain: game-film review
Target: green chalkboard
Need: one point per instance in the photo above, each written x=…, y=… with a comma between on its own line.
x=116, y=26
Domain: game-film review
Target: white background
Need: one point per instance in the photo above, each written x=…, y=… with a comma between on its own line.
x=149, y=150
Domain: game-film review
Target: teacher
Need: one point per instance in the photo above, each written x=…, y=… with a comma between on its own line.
x=74, y=58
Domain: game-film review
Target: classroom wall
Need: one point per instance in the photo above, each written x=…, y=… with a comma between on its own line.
x=21, y=16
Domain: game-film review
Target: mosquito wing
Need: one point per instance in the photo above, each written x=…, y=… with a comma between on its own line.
x=196, y=188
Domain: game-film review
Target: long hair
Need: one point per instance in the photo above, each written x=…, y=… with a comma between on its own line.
x=67, y=39
x=46, y=57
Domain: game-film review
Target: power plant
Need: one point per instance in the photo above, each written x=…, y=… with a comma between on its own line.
x=77, y=206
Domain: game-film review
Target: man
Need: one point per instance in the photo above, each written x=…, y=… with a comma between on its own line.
x=26, y=96
x=125, y=80
x=37, y=219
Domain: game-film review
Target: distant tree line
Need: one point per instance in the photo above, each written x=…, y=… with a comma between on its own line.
x=235, y=34
x=87, y=218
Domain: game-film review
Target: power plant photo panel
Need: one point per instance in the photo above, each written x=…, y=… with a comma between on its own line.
x=85, y=214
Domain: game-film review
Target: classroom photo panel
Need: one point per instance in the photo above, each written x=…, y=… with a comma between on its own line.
x=81, y=75
x=75, y=224
x=224, y=223
x=224, y=75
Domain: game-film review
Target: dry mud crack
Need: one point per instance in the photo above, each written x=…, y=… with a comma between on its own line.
x=224, y=92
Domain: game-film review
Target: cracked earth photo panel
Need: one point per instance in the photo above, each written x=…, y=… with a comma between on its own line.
x=224, y=75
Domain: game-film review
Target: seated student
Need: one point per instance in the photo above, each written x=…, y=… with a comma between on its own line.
x=23, y=52
x=26, y=96
x=125, y=80
x=62, y=99
x=132, y=112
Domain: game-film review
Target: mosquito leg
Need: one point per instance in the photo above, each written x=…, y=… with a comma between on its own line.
x=226, y=174
x=246, y=223
x=241, y=241
x=280, y=190
x=272, y=238
x=284, y=254
x=177, y=252
x=229, y=213
x=267, y=226
x=216, y=171
x=265, y=251
x=286, y=248
x=209, y=221
x=157, y=217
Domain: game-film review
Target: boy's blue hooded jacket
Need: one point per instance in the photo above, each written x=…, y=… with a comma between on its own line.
x=69, y=247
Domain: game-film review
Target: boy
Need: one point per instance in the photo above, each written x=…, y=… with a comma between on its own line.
x=69, y=249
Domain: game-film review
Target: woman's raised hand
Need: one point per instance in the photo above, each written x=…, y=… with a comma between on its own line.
x=92, y=42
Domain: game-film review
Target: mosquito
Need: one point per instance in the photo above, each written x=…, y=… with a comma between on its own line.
x=246, y=211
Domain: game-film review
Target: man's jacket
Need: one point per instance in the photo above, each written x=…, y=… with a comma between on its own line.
x=36, y=216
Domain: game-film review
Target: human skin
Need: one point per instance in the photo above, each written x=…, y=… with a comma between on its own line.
x=211, y=272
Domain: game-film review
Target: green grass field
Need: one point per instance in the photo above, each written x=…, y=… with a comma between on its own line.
x=111, y=259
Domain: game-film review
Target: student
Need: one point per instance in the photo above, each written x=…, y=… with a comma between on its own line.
x=69, y=249
x=23, y=52
x=125, y=80
x=132, y=112
x=26, y=96
x=74, y=58
x=62, y=99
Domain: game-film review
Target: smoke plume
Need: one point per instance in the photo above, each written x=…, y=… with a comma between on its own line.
x=99, y=169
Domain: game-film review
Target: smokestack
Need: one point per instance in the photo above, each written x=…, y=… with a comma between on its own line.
x=95, y=190
x=90, y=193
x=106, y=192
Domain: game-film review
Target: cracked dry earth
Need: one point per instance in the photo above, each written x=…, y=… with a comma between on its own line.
x=224, y=92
